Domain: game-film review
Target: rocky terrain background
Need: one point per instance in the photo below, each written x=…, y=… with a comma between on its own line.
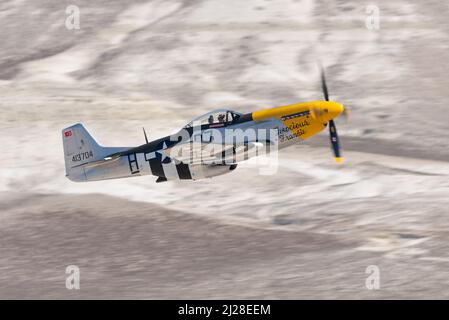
x=309, y=231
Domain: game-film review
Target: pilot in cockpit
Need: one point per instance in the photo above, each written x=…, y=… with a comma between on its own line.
x=211, y=119
x=221, y=118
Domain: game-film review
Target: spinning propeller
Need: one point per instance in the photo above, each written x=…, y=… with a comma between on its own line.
x=332, y=128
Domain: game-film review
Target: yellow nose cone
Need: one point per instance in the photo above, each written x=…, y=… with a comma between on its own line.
x=327, y=110
x=334, y=109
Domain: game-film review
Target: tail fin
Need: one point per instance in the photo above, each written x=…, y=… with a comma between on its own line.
x=79, y=149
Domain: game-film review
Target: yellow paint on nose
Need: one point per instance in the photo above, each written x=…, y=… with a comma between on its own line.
x=334, y=109
x=303, y=120
x=325, y=110
x=279, y=112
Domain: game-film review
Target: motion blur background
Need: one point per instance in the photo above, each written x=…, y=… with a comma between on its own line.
x=309, y=231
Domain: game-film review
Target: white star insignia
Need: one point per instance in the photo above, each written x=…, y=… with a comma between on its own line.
x=163, y=155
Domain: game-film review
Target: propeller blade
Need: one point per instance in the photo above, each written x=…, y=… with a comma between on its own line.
x=324, y=86
x=332, y=128
x=334, y=141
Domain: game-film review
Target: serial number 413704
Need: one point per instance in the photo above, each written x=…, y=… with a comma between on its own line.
x=82, y=156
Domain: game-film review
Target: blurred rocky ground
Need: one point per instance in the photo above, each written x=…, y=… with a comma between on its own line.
x=309, y=231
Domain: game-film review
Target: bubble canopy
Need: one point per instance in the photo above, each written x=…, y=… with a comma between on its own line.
x=218, y=116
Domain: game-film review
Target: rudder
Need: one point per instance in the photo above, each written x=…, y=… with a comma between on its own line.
x=80, y=148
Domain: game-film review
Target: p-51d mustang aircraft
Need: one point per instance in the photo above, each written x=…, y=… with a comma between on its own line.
x=206, y=147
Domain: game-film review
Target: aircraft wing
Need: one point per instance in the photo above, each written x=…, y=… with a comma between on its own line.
x=212, y=153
